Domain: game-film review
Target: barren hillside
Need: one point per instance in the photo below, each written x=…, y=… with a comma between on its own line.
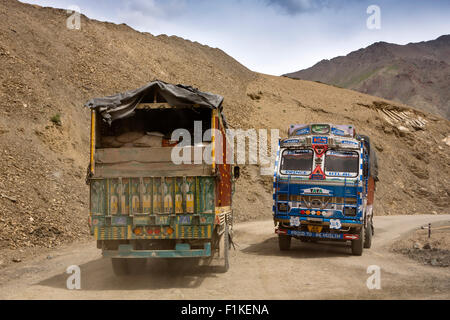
x=48, y=70
x=417, y=74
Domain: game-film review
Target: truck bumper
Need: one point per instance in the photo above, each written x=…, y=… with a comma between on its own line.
x=324, y=221
x=321, y=235
x=182, y=250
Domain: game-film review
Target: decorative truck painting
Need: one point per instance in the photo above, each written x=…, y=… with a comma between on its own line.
x=324, y=184
x=143, y=204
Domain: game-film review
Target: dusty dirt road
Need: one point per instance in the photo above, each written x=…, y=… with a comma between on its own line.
x=258, y=271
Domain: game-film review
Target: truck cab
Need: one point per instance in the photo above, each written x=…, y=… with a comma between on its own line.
x=323, y=186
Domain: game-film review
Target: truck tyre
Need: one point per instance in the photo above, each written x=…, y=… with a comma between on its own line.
x=284, y=242
x=368, y=236
x=357, y=245
x=225, y=248
x=120, y=266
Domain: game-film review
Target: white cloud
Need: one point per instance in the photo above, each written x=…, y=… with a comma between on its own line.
x=158, y=8
x=274, y=36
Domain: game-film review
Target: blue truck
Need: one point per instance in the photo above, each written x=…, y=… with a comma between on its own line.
x=324, y=184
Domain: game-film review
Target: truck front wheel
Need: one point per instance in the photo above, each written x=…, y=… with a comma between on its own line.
x=368, y=236
x=357, y=245
x=284, y=242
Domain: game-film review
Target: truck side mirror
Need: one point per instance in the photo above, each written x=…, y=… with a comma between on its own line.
x=236, y=172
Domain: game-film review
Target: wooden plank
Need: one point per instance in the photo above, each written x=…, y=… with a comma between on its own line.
x=92, y=162
x=137, y=169
x=147, y=155
x=156, y=105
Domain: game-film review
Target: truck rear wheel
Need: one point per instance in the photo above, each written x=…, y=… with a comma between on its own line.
x=220, y=245
x=368, y=236
x=225, y=248
x=358, y=245
x=284, y=242
x=120, y=266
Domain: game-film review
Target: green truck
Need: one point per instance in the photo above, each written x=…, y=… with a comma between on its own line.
x=159, y=185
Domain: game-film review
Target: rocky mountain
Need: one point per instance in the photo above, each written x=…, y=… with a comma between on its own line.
x=417, y=74
x=48, y=72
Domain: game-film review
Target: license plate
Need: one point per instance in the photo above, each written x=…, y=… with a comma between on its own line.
x=121, y=221
x=316, y=229
x=140, y=221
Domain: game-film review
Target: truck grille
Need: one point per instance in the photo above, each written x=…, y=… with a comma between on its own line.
x=314, y=202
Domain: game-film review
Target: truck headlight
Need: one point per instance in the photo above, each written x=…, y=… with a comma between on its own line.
x=327, y=213
x=283, y=207
x=350, y=211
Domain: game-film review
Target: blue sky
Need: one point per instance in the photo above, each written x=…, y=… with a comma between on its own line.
x=275, y=36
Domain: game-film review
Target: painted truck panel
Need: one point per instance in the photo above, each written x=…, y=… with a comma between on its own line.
x=139, y=194
x=148, y=195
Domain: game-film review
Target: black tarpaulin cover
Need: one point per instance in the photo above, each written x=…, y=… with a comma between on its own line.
x=122, y=105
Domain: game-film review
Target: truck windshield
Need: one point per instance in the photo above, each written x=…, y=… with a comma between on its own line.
x=297, y=162
x=341, y=163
